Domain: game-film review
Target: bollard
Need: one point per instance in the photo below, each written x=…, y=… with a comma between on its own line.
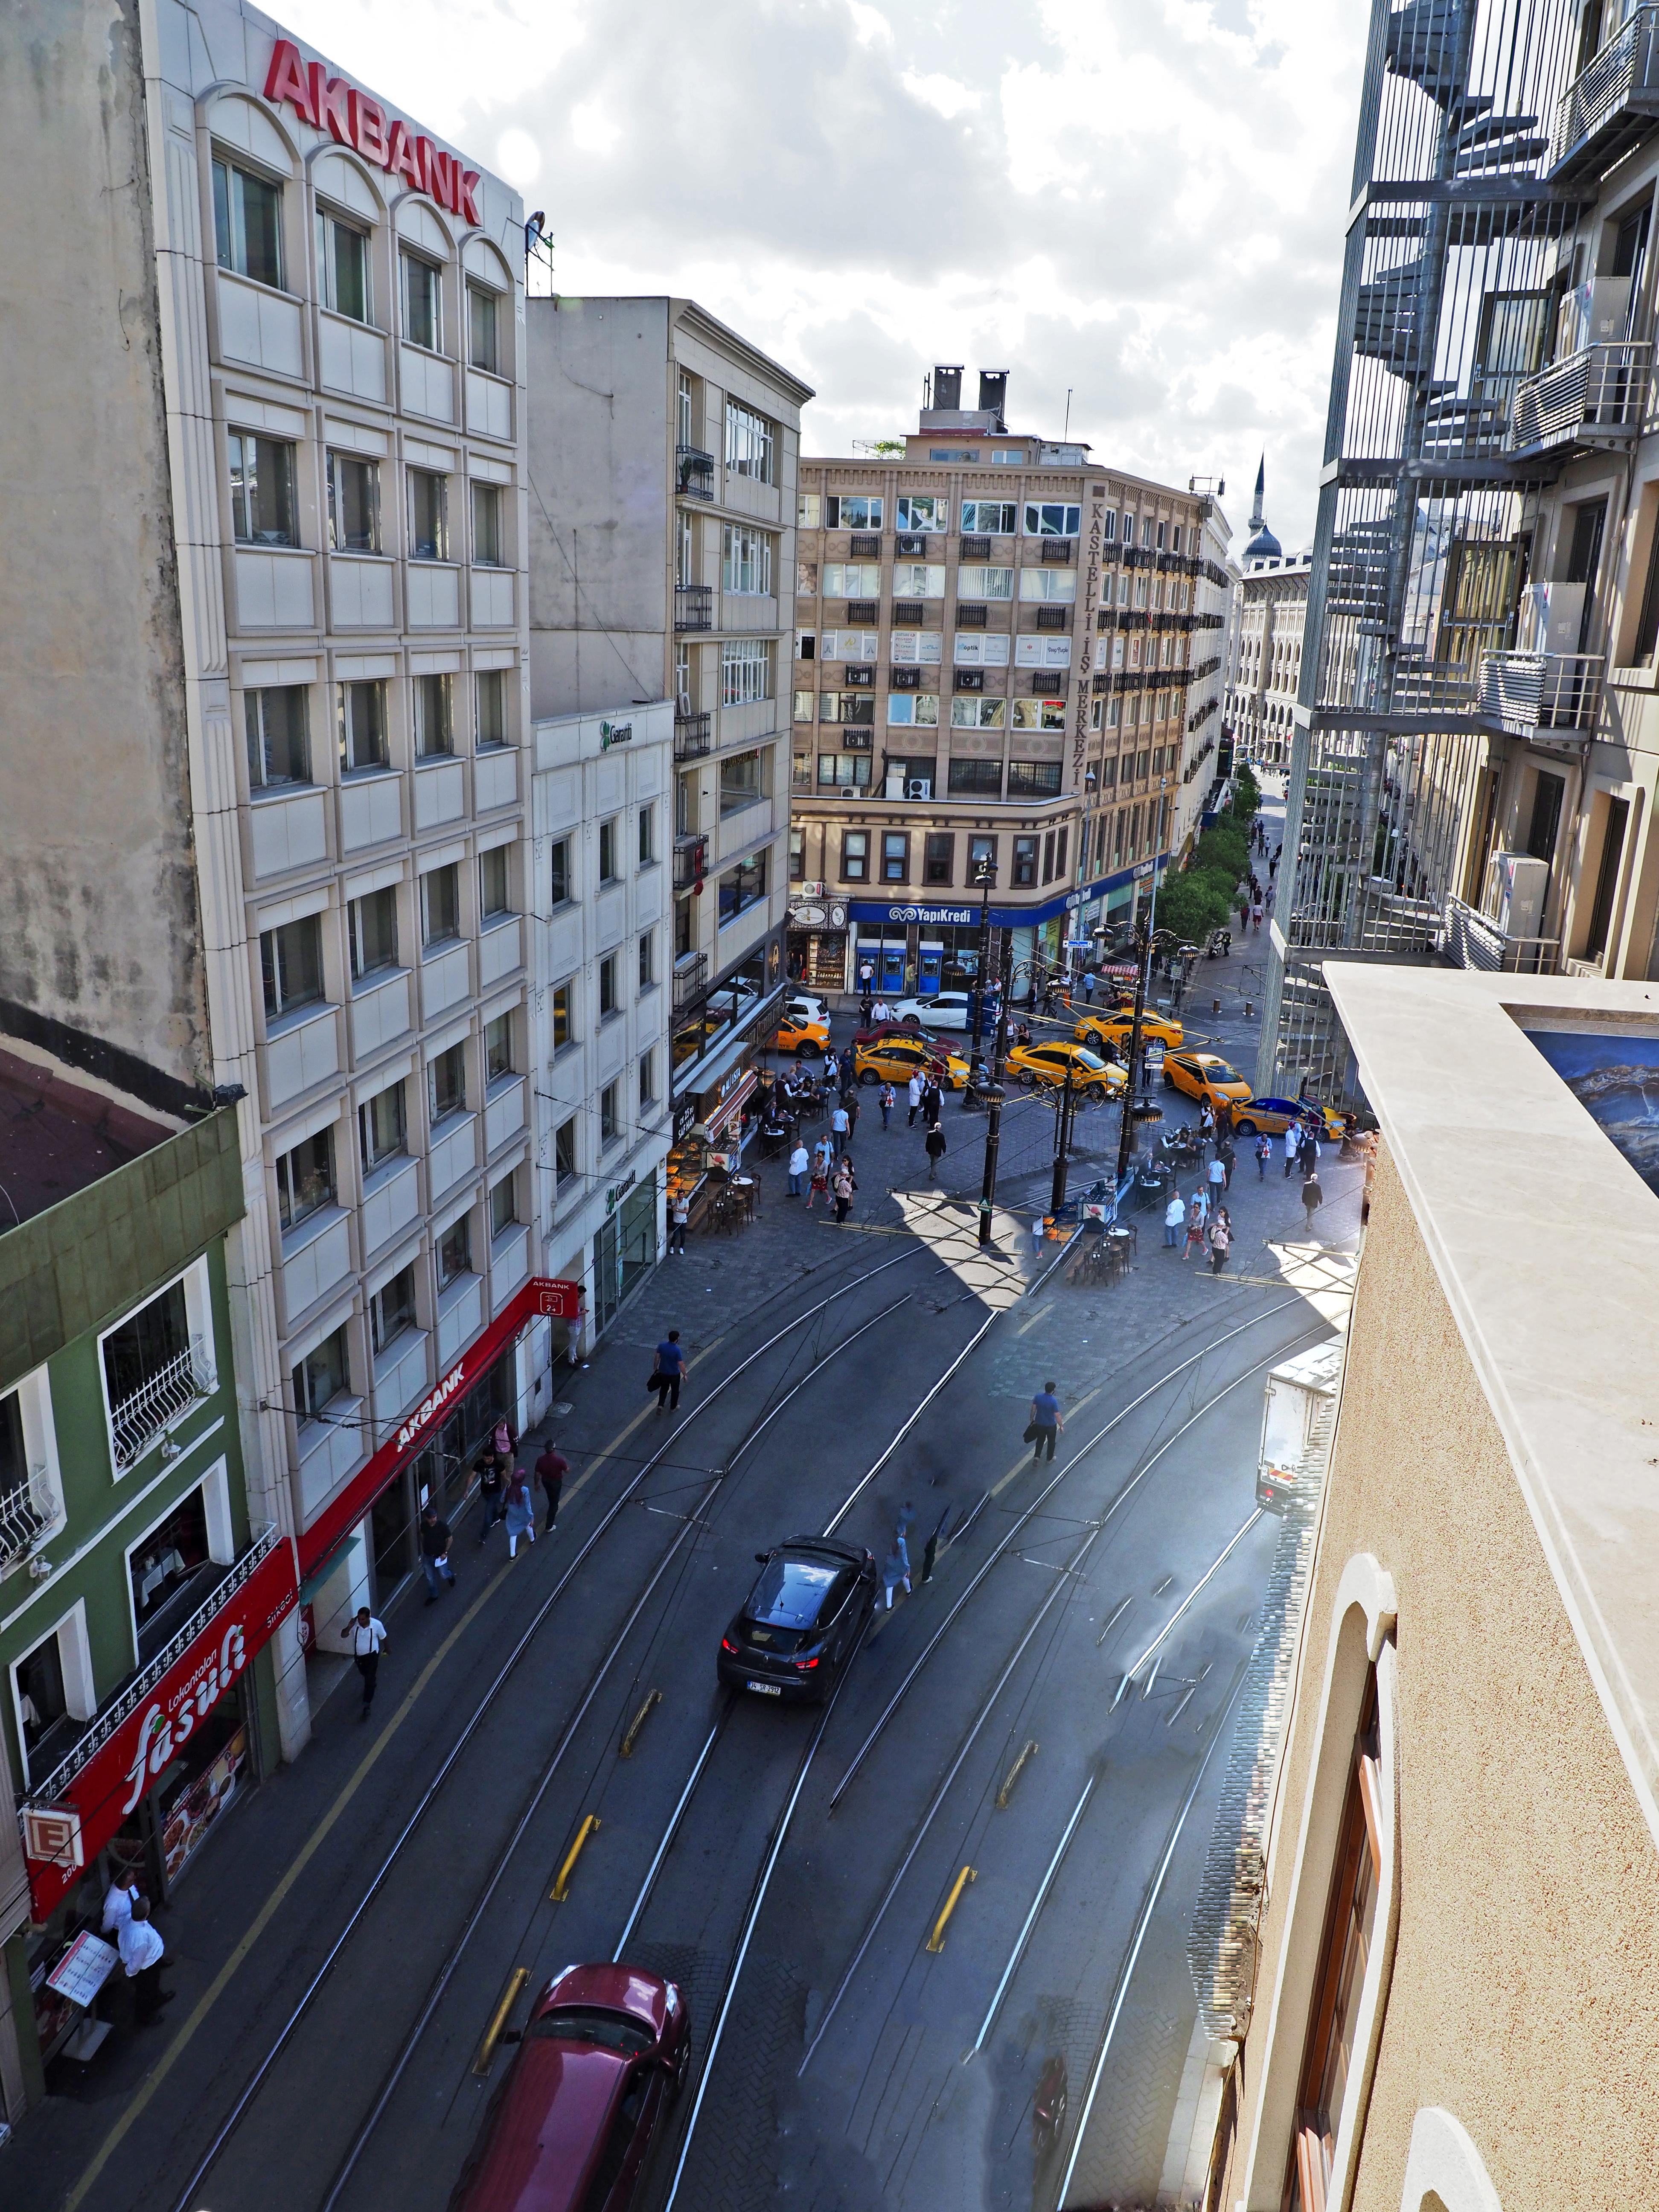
x=1014, y=1775
x=560, y=1889
x=653, y=1698
x=936, y=1940
x=485, y=2056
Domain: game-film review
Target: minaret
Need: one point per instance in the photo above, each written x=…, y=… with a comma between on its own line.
x=1256, y=522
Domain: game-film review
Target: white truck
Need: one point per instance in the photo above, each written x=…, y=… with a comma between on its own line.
x=1297, y=1421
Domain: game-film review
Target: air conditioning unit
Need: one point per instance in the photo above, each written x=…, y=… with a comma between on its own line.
x=918, y=787
x=849, y=791
x=1516, y=888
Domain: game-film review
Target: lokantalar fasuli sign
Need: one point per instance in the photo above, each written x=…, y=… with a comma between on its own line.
x=355, y=118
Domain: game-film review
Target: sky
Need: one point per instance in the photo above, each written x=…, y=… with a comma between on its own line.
x=1139, y=202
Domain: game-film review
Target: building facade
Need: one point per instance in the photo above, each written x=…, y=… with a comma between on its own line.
x=290, y=696
x=137, y=1593
x=664, y=451
x=1445, y=1970
x=602, y=799
x=1266, y=676
x=1215, y=590
x=996, y=639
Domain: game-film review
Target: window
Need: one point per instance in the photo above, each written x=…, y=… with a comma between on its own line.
x=428, y=516
x=895, y=856
x=851, y=580
x=798, y=855
x=261, y=490
x=455, y=1252
x=806, y=588
x=685, y=558
x=913, y=709
x=391, y=1310
x=373, y=923
x=749, y=443
x=922, y=511
x=487, y=538
x=847, y=707
x=983, y=583
x=1025, y=861
x=320, y=1377
x=918, y=580
x=1033, y=778
x=746, y=558
x=559, y=877
x=305, y=1179
x=564, y=1151
x=743, y=783
x=742, y=887
x=434, y=731
x=1051, y=519
x=1052, y=586
x=973, y=712
x=382, y=1127
x=489, y=700
x=503, y=1205
x=494, y=893
x=685, y=412
x=648, y=959
x=648, y=1080
x=745, y=671
x=971, y=649
x=441, y=905
x=135, y=1355
x=981, y=849
x=43, y=1701
x=247, y=223
x=844, y=771
x=853, y=511
x=648, y=846
x=609, y=1114
x=483, y=323
x=807, y=508
x=446, y=1079
x=855, y=856
x=279, y=745
x=938, y=857
x=912, y=648
x=341, y=266
x=1038, y=651
x=976, y=779
x=608, y=851
x=607, y=986
x=291, y=964
x=498, y=1047
x=856, y=645
x=562, y=1032
x=354, y=504
x=422, y=292
x=363, y=717
x=1037, y=713
x=988, y=518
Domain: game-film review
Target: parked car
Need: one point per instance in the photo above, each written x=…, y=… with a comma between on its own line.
x=1205, y=1075
x=1116, y=1028
x=807, y=1040
x=1091, y=1076
x=945, y=1010
x=881, y=1032
x=801, y=1622
x=898, y=1058
x=802, y=1007
x=604, y=2055
x=1275, y=1115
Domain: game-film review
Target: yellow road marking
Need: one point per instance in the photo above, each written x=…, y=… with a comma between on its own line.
x=1025, y=1459
x=1036, y=1318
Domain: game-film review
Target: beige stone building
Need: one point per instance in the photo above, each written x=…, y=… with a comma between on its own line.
x=1266, y=674
x=1455, y=1996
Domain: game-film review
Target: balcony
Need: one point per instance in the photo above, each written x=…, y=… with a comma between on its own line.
x=1054, y=617
x=692, y=736
x=136, y=1421
x=1469, y=939
x=970, y=679
x=975, y=548
x=690, y=980
x=691, y=862
x=855, y=677
x=905, y=679
x=1060, y=549
x=969, y=616
x=1605, y=110
x=866, y=545
x=911, y=545
x=694, y=606
x=861, y=612
x=28, y=1512
x=695, y=473
x=1048, y=687
x=1528, y=694
x=1596, y=397
x=911, y=611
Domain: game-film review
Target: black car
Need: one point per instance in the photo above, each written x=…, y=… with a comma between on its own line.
x=801, y=1622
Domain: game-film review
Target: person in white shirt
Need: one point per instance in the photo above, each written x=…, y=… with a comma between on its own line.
x=366, y=1636
x=118, y=1901
x=913, y=1093
x=141, y=1953
x=1175, y=1216
x=800, y=1163
x=880, y=1011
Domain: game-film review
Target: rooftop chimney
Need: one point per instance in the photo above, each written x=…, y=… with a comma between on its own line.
x=993, y=393
x=947, y=388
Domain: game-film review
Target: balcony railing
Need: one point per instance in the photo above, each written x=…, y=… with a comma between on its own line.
x=912, y=544
x=975, y=548
x=970, y=616
x=1469, y=939
x=912, y=612
x=1605, y=108
x=1560, y=692
x=1048, y=687
x=691, y=861
x=27, y=1511
x=1060, y=549
x=861, y=612
x=905, y=679
x=1596, y=397
x=136, y=1421
x=696, y=470
x=970, y=679
x=1054, y=617
x=692, y=737
x=866, y=545
x=694, y=606
x=690, y=980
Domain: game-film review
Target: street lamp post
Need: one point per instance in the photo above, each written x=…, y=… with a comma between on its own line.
x=1147, y=940
x=1062, y=1145
x=983, y=877
x=993, y=1094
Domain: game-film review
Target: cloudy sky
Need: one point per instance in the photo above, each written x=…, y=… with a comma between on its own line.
x=1140, y=200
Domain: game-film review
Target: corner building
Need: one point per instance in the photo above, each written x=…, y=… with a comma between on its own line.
x=994, y=642
x=268, y=590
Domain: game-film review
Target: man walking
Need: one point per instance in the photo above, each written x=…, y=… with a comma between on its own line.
x=143, y=1953
x=885, y=1099
x=1221, y=1238
x=935, y=1151
x=841, y=1126
x=492, y=1480
x=1264, y=1152
x=1216, y=1172
x=914, y=1094
x=1045, y=1421
x=1175, y=1216
x=367, y=1638
x=551, y=1469
x=667, y=1374
x=843, y=1187
x=679, y=1214
x=1196, y=1213
x=850, y=1102
x=1228, y=1157
x=931, y=1101
x=435, y=1553
x=800, y=1163
x=1312, y=1198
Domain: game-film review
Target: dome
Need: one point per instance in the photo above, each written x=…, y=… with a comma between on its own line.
x=1264, y=546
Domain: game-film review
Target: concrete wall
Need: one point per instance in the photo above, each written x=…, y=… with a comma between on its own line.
x=97, y=869
x=600, y=440
x=1524, y=1994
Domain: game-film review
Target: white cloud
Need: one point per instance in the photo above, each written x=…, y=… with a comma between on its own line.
x=943, y=93
x=518, y=157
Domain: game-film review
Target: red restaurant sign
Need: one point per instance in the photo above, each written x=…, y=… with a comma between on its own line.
x=353, y=118
x=541, y=1295
x=62, y=1839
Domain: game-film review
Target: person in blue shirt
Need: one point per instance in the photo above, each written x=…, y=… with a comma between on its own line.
x=667, y=1375
x=1045, y=1418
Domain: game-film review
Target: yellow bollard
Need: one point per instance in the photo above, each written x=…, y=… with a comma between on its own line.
x=1014, y=1775
x=653, y=1698
x=492, y=2034
x=936, y=1940
x=560, y=1889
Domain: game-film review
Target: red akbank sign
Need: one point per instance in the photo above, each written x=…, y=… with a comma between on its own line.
x=355, y=119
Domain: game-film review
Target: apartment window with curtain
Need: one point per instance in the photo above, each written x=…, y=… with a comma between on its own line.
x=278, y=740
x=305, y=1179
x=422, y=302
x=391, y=1310
x=855, y=856
x=490, y=705
x=354, y=504
x=262, y=507
x=362, y=720
x=746, y=558
x=894, y=857
x=247, y=223
x=751, y=449
x=343, y=278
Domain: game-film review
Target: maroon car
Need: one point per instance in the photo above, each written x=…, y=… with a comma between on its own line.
x=912, y=1033
x=605, y=2053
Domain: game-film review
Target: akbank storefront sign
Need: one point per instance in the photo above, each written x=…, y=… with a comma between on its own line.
x=356, y=120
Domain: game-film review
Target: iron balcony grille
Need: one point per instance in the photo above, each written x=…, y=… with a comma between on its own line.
x=1598, y=395
x=970, y=679
x=857, y=678
x=137, y=1421
x=1607, y=106
x=861, y=611
x=25, y=1514
x=1473, y=939
x=969, y=616
x=690, y=980
x=905, y=679
x=692, y=737
x=1560, y=692
x=1054, y=617
x=1060, y=549
x=866, y=545
x=265, y=1541
x=976, y=548
x=1047, y=687
x=691, y=861
x=695, y=472
x=694, y=606
x=912, y=544
x=909, y=610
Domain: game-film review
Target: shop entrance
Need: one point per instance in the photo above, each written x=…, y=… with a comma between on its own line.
x=440, y=1472
x=625, y=1251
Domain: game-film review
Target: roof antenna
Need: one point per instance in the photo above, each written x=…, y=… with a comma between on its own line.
x=1066, y=431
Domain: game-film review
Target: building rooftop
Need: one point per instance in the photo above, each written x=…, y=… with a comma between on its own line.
x=59, y=1131
x=1516, y=1110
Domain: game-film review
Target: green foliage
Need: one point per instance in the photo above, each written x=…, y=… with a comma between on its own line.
x=1193, y=904
x=888, y=446
x=1247, y=795
x=1224, y=848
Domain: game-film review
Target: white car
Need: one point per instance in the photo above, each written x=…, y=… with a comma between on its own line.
x=801, y=1007
x=945, y=1010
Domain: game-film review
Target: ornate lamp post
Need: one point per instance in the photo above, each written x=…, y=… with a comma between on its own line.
x=1147, y=940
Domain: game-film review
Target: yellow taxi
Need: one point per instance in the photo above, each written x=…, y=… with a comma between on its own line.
x=1272, y=1117
x=1207, y=1077
x=1115, y=1029
x=895, y=1060
x=808, y=1040
x=1091, y=1076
